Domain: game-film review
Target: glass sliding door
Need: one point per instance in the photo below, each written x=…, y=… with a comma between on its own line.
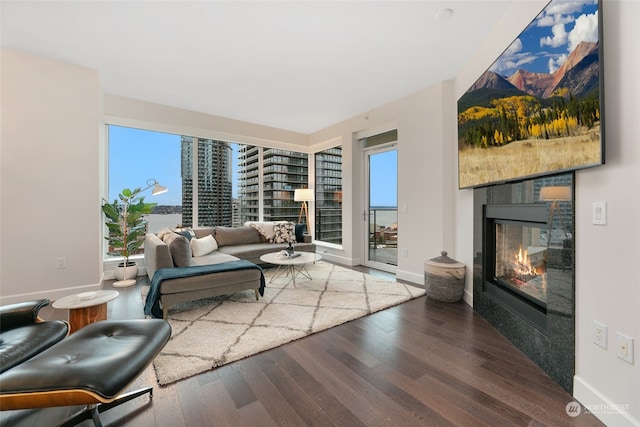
x=381, y=238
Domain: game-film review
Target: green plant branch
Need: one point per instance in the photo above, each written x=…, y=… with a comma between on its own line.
x=125, y=222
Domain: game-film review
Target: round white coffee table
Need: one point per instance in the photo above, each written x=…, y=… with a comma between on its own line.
x=86, y=307
x=290, y=266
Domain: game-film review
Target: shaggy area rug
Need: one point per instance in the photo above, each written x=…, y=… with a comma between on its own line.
x=212, y=332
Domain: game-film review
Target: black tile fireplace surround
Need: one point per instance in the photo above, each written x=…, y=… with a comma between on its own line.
x=524, y=271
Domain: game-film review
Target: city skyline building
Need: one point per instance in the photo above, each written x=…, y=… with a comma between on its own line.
x=214, y=182
x=268, y=178
x=328, y=190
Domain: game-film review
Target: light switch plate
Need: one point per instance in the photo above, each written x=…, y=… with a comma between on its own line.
x=600, y=213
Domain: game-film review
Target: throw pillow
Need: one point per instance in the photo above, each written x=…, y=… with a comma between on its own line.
x=189, y=234
x=265, y=228
x=163, y=233
x=284, y=232
x=179, y=248
x=300, y=232
x=203, y=246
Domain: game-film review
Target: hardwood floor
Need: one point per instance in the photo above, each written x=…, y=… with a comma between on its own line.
x=420, y=363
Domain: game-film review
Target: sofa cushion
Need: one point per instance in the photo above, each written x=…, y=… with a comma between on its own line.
x=201, y=232
x=179, y=248
x=229, y=236
x=203, y=246
x=253, y=252
x=215, y=257
x=265, y=228
x=284, y=232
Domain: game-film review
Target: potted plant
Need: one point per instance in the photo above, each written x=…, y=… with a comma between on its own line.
x=127, y=227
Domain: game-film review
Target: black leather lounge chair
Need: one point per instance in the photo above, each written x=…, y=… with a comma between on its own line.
x=41, y=366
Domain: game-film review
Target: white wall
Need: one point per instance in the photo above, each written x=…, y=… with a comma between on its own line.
x=144, y=115
x=606, y=256
x=48, y=183
x=419, y=120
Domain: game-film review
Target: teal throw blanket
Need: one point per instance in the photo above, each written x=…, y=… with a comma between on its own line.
x=152, y=304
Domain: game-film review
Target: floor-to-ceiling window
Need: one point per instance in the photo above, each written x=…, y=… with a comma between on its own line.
x=284, y=171
x=267, y=180
x=328, y=195
x=210, y=182
x=137, y=155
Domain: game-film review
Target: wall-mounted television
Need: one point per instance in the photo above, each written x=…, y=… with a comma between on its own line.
x=538, y=109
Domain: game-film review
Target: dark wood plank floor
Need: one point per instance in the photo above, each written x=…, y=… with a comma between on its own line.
x=420, y=363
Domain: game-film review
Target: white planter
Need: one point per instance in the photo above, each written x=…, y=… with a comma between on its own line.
x=128, y=272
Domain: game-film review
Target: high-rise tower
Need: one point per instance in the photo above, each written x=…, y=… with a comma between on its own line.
x=214, y=182
x=279, y=172
x=328, y=189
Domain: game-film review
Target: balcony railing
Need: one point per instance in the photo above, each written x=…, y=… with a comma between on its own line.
x=383, y=235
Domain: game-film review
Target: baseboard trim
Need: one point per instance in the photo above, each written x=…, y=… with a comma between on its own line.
x=338, y=259
x=468, y=297
x=51, y=294
x=409, y=276
x=610, y=413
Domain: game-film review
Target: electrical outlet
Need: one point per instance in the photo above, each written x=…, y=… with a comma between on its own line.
x=61, y=262
x=600, y=334
x=405, y=252
x=625, y=348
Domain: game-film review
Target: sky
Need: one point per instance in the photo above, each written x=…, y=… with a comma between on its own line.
x=132, y=163
x=547, y=42
x=383, y=178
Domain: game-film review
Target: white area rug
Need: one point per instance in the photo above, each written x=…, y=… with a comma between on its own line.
x=216, y=331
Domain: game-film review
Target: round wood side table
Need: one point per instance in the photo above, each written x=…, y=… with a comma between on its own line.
x=86, y=307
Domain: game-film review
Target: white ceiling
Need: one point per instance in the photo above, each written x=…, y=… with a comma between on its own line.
x=295, y=65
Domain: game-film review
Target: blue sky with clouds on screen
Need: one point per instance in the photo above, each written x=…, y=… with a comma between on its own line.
x=550, y=38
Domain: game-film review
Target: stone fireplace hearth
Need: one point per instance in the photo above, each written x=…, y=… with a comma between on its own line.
x=523, y=281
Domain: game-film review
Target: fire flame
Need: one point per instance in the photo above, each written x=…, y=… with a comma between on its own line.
x=522, y=263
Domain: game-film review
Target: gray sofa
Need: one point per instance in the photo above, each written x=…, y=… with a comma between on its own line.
x=186, y=248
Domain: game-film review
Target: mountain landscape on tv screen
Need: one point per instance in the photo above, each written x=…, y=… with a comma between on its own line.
x=537, y=109
x=579, y=75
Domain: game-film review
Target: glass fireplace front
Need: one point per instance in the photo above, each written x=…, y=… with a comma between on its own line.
x=520, y=257
x=516, y=259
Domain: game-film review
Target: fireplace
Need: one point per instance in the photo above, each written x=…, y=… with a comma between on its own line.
x=515, y=259
x=523, y=271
